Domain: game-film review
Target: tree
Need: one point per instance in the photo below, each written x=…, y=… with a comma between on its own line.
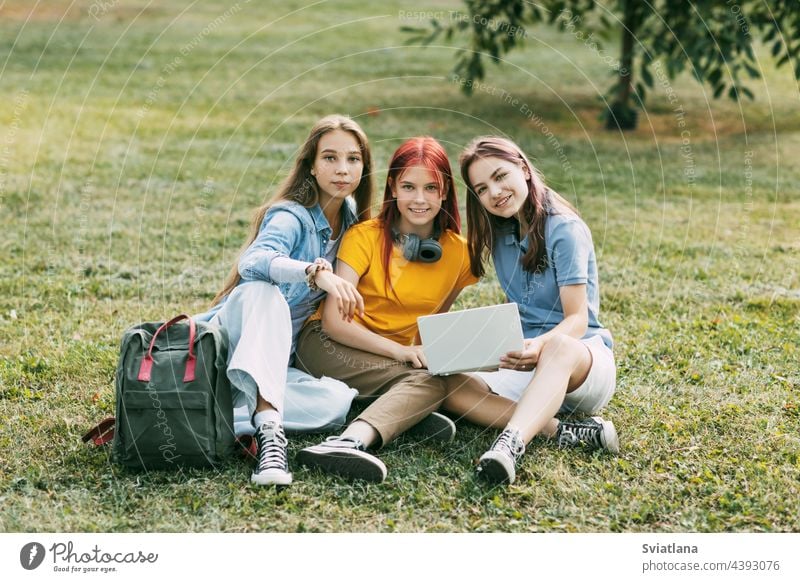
x=713, y=38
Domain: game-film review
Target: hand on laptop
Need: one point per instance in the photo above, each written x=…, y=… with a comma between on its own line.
x=411, y=354
x=526, y=359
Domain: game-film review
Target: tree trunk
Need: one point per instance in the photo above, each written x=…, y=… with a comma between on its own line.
x=622, y=113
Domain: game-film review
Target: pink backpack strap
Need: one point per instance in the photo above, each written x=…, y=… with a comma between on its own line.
x=147, y=362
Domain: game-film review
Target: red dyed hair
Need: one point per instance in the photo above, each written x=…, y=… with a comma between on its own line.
x=428, y=153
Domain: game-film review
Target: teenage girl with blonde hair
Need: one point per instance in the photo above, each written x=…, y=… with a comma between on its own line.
x=284, y=271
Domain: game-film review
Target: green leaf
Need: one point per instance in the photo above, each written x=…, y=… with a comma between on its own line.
x=752, y=71
x=647, y=77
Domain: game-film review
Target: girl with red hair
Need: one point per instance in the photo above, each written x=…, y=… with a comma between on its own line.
x=408, y=262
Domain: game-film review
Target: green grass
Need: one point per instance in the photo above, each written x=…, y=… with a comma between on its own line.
x=126, y=188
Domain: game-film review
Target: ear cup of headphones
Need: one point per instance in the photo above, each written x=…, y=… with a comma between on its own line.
x=429, y=251
x=416, y=249
x=411, y=247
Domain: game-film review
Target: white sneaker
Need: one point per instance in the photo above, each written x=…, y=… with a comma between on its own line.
x=272, y=467
x=498, y=464
x=434, y=427
x=344, y=456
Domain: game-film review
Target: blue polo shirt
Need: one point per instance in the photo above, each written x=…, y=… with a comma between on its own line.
x=571, y=261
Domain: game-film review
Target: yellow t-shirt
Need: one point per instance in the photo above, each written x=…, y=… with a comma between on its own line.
x=417, y=288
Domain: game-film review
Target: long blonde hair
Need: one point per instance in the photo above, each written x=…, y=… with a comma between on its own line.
x=301, y=187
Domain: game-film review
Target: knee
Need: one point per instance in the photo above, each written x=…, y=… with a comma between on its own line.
x=562, y=348
x=464, y=386
x=262, y=294
x=456, y=396
x=458, y=384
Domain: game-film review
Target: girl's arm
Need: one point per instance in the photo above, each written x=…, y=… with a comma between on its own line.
x=341, y=294
x=279, y=235
x=448, y=303
x=354, y=335
x=575, y=303
x=269, y=258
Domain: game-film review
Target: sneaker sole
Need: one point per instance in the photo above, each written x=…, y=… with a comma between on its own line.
x=492, y=469
x=351, y=464
x=609, y=436
x=434, y=427
x=271, y=478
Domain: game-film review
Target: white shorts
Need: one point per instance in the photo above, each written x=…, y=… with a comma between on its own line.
x=591, y=396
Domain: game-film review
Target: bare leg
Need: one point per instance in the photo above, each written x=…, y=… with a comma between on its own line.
x=470, y=398
x=262, y=405
x=563, y=365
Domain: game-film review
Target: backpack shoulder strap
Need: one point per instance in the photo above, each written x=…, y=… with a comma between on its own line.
x=102, y=433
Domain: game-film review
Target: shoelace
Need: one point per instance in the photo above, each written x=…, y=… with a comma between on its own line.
x=510, y=443
x=572, y=434
x=348, y=442
x=272, y=445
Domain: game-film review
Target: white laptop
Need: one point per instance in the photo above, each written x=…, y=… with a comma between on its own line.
x=470, y=340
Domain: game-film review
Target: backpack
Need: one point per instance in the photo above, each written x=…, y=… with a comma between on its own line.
x=173, y=395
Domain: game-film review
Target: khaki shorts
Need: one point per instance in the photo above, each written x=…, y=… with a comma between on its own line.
x=590, y=397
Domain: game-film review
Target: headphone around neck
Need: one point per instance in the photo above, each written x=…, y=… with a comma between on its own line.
x=417, y=249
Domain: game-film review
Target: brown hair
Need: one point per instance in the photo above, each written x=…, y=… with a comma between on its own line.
x=482, y=226
x=301, y=187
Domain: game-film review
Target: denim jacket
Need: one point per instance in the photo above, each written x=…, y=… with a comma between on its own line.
x=288, y=230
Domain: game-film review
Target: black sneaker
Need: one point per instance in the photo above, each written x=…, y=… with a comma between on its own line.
x=435, y=427
x=344, y=456
x=497, y=465
x=592, y=433
x=272, y=467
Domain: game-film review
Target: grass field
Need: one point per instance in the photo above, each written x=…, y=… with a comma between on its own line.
x=136, y=137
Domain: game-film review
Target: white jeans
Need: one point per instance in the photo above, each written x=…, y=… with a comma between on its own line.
x=259, y=326
x=258, y=322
